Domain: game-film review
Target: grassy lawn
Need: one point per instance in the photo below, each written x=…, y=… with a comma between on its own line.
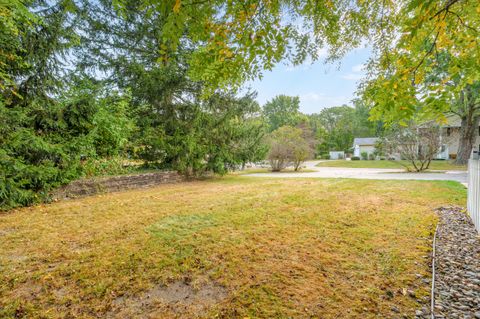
x=434, y=165
x=268, y=170
x=235, y=247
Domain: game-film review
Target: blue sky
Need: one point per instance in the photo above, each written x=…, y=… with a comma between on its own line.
x=318, y=85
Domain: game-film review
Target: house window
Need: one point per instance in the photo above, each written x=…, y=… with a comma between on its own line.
x=449, y=131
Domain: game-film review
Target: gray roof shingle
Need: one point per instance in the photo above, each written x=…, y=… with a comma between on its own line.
x=364, y=140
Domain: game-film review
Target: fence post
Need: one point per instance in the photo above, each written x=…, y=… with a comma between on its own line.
x=473, y=193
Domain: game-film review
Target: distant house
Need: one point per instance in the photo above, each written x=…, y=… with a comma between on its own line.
x=451, y=137
x=364, y=144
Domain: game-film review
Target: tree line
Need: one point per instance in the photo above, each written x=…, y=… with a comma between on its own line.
x=331, y=129
x=84, y=87
x=83, y=82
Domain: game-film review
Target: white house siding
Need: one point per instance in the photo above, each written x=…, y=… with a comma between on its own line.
x=359, y=149
x=452, y=141
x=356, y=150
x=367, y=148
x=364, y=144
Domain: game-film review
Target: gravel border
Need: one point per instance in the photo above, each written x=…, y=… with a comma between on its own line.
x=457, y=266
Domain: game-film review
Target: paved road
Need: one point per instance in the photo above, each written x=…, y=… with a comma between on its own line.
x=368, y=173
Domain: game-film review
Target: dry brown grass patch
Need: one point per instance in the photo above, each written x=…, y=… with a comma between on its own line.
x=229, y=248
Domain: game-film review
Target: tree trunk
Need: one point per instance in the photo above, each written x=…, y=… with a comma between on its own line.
x=468, y=134
x=296, y=165
x=468, y=130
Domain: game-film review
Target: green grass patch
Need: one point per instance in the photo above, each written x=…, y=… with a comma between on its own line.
x=434, y=165
x=268, y=170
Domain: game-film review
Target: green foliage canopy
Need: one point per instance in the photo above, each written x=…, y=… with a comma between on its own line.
x=235, y=41
x=282, y=110
x=426, y=67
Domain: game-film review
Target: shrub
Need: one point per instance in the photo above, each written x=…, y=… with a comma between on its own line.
x=416, y=144
x=355, y=158
x=364, y=155
x=326, y=156
x=106, y=166
x=287, y=146
x=371, y=156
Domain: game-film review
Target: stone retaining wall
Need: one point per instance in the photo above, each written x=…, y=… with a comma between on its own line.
x=86, y=187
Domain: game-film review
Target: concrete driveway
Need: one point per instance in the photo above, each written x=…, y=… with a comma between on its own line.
x=369, y=173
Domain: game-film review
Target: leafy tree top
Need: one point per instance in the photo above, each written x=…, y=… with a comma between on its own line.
x=237, y=40
x=282, y=110
x=433, y=57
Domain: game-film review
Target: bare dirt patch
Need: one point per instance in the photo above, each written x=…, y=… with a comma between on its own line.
x=27, y=291
x=180, y=299
x=6, y=231
x=17, y=258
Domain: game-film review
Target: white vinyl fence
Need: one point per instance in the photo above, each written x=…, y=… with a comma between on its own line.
x=473, y=199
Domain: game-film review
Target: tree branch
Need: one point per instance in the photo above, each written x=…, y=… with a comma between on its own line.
x=447, y=6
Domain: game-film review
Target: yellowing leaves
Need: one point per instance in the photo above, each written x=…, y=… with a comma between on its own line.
x=176, y=7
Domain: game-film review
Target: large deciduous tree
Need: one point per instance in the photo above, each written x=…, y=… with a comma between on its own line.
x=467, y=107
x=337, y=130
x=282, y=110
x=238, y=40
x=430, y=69
x=338, y=126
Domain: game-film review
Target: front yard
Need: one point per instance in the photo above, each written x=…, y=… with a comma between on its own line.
x=235, y=247
x=434, y=165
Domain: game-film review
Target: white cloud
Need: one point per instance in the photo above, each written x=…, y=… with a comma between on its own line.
x=352, y=76
x=356, y=74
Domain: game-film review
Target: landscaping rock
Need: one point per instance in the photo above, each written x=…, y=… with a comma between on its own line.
x=457, y=266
